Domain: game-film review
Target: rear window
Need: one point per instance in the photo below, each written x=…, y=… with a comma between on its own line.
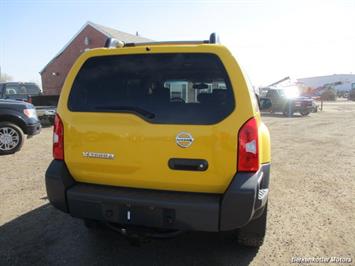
x=161, y=88
x=22, y=89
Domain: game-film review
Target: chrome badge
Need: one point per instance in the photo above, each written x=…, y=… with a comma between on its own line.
x=99, y=155
x=184, y=139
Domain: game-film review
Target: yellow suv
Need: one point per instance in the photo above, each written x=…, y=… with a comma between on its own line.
x=161, y=135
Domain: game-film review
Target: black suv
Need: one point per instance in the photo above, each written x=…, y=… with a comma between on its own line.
x=17, y=118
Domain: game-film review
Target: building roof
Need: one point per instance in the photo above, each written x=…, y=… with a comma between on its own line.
x=329, y=77
x=109, y=32
x=345, y=81
x=119, y=35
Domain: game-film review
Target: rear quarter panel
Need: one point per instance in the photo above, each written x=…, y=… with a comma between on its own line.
x=265, y=144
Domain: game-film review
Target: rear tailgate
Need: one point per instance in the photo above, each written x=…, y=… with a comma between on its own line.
x=142, y=151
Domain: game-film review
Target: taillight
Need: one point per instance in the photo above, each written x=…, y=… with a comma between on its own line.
x=58, y=138
x=248, y=148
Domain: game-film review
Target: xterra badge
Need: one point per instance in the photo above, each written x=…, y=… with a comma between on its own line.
x=184, y=139
x=99, y=155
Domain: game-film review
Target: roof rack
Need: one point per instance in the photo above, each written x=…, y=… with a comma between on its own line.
x=114, y=43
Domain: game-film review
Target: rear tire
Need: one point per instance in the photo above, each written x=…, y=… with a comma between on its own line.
x=252, y=235
x=11, y=138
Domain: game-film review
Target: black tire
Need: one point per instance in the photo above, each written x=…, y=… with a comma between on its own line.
x=46, y=121
x=11, y=138
x=252, y=235
x=91, y=224
x=304, y=113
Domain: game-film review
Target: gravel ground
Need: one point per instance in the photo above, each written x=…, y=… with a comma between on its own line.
x=311, y=207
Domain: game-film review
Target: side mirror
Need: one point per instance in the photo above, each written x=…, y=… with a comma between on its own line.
x=265, y=104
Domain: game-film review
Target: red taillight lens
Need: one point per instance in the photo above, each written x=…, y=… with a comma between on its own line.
x=248, y=147
x=58, y=139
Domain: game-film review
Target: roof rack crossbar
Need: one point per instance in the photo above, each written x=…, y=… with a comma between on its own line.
x=130, y=44
x=114, y=43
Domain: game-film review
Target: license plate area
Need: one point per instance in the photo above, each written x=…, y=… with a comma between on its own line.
x=149, y=216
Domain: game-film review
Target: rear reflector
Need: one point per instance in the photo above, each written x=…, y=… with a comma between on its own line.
x=58, y=138
x=248, y=147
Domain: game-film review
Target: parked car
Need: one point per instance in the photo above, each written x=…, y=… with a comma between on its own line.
x=17, y=119
x=315, y=107
x=288, y=103
x=343, y=94
x=46, y=106
x=30, y=92
x=351, y=95
x=161, y=135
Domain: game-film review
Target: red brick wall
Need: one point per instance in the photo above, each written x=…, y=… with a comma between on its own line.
x=52, y=84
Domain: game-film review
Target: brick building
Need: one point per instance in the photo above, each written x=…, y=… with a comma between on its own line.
x=91, y=35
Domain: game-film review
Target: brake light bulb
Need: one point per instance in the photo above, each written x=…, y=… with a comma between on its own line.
x=251, y=147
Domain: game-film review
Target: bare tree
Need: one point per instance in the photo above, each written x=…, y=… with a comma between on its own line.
x=5, y=77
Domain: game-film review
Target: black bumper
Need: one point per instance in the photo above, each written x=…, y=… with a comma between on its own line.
x=33, y=129
x=243, y=201
x=303, y=108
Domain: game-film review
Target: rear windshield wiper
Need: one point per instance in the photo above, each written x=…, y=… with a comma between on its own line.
x=127, y=109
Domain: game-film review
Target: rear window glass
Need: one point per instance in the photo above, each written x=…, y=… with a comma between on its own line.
x=161, y=88
x=22, y=89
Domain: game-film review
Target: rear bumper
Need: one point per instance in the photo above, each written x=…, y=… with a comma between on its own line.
x=243, y=201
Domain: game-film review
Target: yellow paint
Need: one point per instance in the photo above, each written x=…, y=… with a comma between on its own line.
x=142, y=149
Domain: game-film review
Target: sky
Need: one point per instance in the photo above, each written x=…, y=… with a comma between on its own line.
x=271, y=39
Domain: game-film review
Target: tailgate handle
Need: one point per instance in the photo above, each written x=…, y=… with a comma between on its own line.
x=188, y=164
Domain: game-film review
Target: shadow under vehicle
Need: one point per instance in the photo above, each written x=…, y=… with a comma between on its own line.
x=46, y=236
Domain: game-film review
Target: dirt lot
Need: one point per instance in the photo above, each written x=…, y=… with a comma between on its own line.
x=311, y=208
